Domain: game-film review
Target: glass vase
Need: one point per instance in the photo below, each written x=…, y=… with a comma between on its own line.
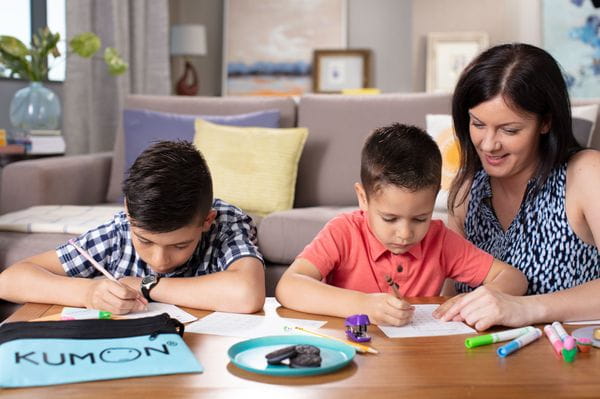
x=35, y=107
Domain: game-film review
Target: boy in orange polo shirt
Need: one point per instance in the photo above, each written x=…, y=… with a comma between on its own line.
x=344, y=270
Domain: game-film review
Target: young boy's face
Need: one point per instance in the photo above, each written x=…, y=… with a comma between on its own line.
x=164, y=252
x=398, y=217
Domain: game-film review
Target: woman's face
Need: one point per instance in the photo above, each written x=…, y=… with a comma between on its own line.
x=506, y=140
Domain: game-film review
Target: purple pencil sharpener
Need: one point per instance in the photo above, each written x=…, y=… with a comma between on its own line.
x=356, y=328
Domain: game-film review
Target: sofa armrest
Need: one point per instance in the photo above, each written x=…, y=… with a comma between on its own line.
x=70, y=180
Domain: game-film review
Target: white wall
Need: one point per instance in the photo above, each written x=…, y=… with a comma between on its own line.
x=385, y=27
x=504, y=21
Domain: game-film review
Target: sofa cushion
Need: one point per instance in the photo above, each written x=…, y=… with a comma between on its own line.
x=338, y=125
x=283, y=235
x=192, y=106
x=142, y=127
x=584, y=122
x=252, y=168
x=70, y=219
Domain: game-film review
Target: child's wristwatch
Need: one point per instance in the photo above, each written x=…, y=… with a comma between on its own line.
x=149, y=282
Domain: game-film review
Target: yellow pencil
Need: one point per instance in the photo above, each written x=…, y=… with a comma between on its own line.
x=359, y=347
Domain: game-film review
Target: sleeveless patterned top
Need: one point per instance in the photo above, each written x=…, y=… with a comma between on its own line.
x=539, y=241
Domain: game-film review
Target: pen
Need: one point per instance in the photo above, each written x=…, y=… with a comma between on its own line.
x=359, y=347
x=394, y=286
x=520, y=342
x=99, y=267
x=554, y=339
x=496, y=337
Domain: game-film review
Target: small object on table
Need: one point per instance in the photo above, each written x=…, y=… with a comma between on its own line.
x=298, y=355
x=583, y=344
x=570, y=350
x=597, y=333
x=356, y=328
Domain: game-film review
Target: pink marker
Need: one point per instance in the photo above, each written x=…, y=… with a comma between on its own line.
x=554, y=339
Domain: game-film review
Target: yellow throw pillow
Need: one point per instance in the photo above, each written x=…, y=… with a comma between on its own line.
x=252, y=168
x=440, y=127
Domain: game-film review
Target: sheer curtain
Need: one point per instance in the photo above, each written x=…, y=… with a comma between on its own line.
x=93, y=99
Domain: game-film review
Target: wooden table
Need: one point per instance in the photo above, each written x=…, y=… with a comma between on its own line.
x=428, y=367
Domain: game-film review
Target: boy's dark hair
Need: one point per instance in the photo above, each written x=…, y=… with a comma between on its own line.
x=169, y=186
x=402, y=155
x=529, y=79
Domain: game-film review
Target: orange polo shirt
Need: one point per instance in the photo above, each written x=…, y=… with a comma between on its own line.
x=348, y=255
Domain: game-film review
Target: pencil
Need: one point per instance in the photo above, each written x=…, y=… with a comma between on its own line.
x=359, y=347
x=99, y=267
x=394, y=286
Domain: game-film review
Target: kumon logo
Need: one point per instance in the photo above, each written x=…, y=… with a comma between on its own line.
x=108, y=355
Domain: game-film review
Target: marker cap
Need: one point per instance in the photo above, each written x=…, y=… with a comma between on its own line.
x=104, y=315
x=479, y=341
x=507, y=349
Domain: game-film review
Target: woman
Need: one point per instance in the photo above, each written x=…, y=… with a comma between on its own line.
x=526, y=191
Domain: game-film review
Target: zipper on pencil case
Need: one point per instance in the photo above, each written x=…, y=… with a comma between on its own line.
x=91, y=329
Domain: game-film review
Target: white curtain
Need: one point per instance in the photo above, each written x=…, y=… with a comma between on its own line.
x=93, y=99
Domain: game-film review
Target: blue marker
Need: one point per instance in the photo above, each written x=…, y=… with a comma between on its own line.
x=520, y=342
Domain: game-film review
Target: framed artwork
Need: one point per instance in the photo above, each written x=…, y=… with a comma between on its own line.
x=335, y=70
x=571, y=33
x=268, y=44
x=448, y=54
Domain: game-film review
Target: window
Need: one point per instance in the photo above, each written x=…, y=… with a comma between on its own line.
x=21, y=18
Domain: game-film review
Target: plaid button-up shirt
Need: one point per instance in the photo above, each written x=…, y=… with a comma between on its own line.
x=232, y=236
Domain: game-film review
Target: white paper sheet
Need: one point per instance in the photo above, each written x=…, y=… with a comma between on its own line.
x=424, y=325
x=246, y=325
x=156, y=308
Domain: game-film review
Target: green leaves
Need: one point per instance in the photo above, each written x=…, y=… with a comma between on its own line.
x=116, y=65
x=32, y=63
x=85, y=44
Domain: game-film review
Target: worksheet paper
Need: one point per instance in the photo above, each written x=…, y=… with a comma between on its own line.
x=247, y=325
x=156, y=308
x=424, y=325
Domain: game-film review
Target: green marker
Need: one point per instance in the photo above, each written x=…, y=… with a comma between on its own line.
x=104, y=314
x=488, y=339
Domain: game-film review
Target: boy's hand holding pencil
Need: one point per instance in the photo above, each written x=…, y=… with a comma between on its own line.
x=389, y=309
x=114, y=297
x=111, y=295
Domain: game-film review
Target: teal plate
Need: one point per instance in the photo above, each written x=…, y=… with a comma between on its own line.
x=250, y=355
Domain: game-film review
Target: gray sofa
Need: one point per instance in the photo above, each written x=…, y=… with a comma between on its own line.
x=327, y=170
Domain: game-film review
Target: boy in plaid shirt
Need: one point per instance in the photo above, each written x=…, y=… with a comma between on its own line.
x=173, y=244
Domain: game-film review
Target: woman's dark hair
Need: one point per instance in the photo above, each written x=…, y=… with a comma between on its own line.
x=169, y=186
x=528, y=79
x=402, y=155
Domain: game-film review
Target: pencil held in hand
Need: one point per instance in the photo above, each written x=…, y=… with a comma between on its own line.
x=100, y=268
x=394, y=286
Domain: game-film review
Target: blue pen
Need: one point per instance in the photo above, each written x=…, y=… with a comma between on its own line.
x=518, y=343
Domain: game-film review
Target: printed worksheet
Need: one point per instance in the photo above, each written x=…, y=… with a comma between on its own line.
x=424, y=325
x=156, y=308
x=247, y=325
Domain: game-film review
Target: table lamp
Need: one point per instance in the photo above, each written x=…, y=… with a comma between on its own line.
x=188, y=40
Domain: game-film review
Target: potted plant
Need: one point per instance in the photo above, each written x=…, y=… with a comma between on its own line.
x=35, y=106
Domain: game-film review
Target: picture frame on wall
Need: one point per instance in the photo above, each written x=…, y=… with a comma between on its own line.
x=336, y=70
x=268, y=45
x=448, y=53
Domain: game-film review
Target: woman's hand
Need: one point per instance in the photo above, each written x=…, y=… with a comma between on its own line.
x=484, y=308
